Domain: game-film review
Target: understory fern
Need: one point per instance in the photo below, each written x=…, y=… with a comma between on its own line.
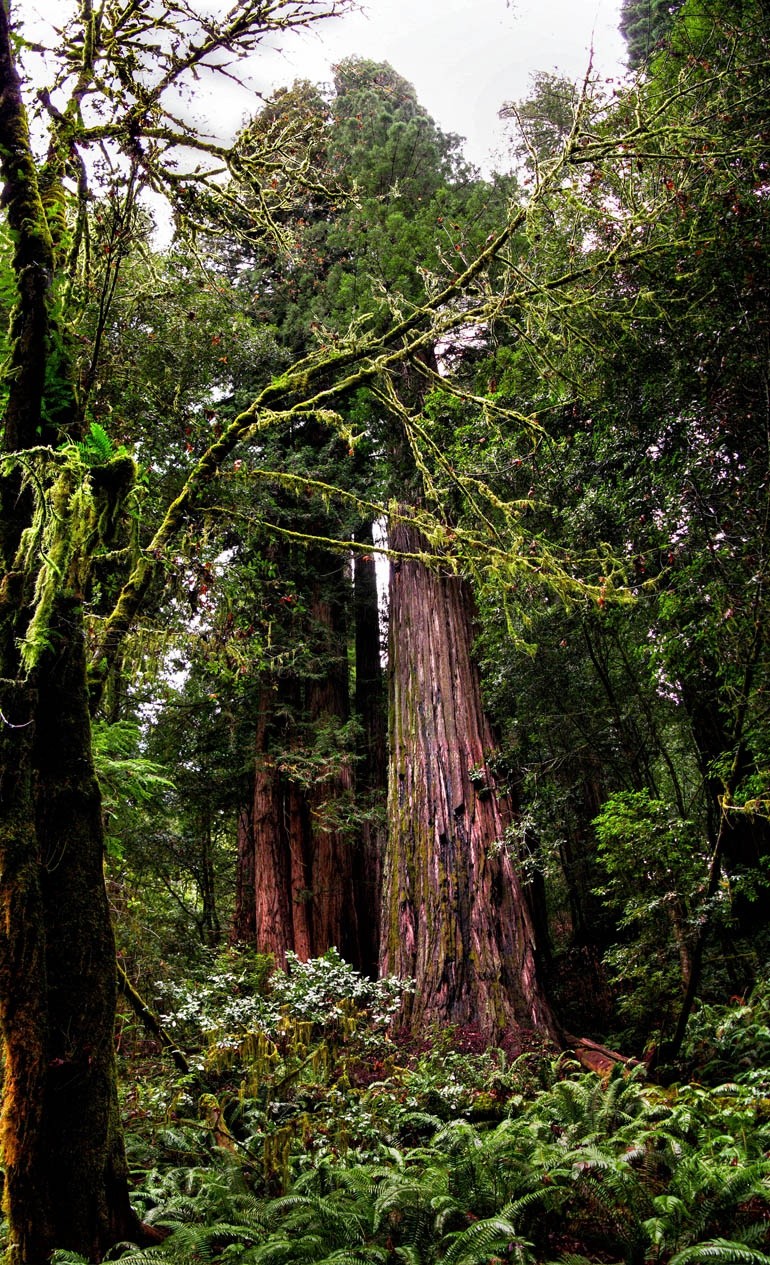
x=585, y=1170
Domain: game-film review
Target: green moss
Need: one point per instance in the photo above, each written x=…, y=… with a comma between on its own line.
x=76, y=514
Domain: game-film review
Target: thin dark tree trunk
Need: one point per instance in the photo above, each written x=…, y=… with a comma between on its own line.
x=372, y=766
x=744, y=839
x=244, y=928
x=454, y=916
x=209, y=924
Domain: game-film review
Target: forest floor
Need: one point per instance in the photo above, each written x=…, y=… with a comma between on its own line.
x=304, y=1132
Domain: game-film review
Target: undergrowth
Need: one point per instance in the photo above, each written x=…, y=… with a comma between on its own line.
x=306, y=1133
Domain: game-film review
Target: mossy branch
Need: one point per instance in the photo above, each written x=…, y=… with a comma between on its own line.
x=33, y=257
x=75, y=506
x=151, y=1021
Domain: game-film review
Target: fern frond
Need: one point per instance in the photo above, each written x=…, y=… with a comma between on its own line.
x=572, y=1258
x=96, y=448
x=408, y=1254
x=458, y=1135
x=548, y=1195
x=491, y=1237
x=720, y=1252
x=368, y=1255
x=287, y=1249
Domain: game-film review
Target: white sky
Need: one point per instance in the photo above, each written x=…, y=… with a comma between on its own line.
x=464, y=57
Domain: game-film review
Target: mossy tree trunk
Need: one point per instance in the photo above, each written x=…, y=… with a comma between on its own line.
x=65, y=1171
x=455, y=919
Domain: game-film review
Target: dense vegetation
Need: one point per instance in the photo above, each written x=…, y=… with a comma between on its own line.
x=304, y=1132
x=385, y=875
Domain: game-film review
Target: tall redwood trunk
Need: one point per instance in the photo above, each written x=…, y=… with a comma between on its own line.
x=454, y=916
x=302, y=868
x=277, y=865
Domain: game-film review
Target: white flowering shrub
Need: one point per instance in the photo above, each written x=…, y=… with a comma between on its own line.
x=242, y=995
x=317, y=990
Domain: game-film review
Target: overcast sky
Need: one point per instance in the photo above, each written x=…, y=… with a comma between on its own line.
x=464, y=57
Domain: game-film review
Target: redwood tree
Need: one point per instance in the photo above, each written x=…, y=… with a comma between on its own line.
x=296, y=851
x=455, y=919
x=64, y=490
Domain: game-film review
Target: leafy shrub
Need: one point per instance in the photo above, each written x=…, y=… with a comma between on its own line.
x=731, y=1041
x=654, y=867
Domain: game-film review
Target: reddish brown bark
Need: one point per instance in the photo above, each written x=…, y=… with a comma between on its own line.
x=330, y=798
x=278, y=864
x=302, y=849
x=454, y=916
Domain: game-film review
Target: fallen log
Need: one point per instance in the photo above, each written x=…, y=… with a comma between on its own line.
x=595, y=1057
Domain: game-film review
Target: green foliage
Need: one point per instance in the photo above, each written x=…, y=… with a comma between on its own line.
x=732, y=1040
x=79, y=496
x=602, y=440
x=96, y=449
x=128, y=780
x=578, y=1171
x=644, y=25
x=654, y=866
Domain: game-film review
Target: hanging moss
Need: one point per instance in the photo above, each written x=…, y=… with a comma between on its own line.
x=76, y=515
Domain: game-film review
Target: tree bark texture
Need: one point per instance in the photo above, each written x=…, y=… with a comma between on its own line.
x=279, y=869
x=454, y=916
x=62, y=1152
x=304, y=898
x=66, y=1176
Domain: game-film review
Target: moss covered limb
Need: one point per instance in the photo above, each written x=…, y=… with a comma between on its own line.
x=313, y=385
x=151, y=1021
x=308, y=387
x=33, y=261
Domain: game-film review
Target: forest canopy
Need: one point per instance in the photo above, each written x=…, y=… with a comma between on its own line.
x=383, y=696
